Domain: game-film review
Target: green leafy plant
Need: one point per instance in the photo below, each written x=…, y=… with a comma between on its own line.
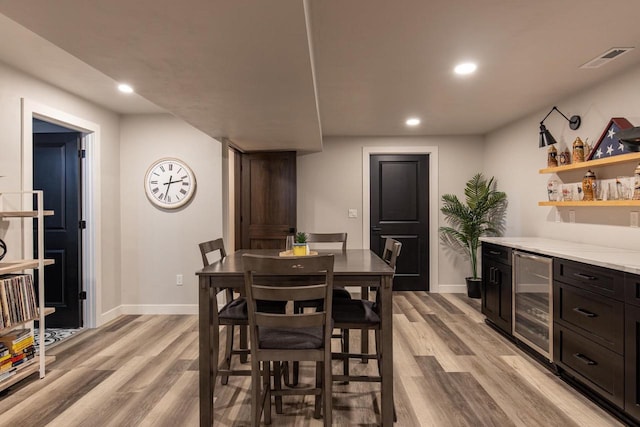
x=482, y=214
x=301, y=237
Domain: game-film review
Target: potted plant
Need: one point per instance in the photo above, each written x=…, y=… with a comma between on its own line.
x=482, y=214
x=300, y=246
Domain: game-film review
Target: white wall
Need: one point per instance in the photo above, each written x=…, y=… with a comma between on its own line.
x=14, y=86
x=330, y=182
x=513, y=156
x=156, y=244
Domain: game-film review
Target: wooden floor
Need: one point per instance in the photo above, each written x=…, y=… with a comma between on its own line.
x=450, y=370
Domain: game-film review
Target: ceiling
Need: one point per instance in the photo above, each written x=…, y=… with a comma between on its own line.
x=283, y=74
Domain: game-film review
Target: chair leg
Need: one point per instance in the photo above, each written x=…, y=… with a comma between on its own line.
x=277, y=384
x=379, y=357
x=266, y=380
x=345, y=349
x=318, y=397
x=295, y=374
x=224, y=380
x=364, y=333
x=243, y=343
x=256, y=395
x=327, y=391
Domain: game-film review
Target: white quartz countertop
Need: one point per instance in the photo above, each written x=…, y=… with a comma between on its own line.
x=614, y=258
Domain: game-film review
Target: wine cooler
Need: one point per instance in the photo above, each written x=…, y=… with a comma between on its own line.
x=532, y=301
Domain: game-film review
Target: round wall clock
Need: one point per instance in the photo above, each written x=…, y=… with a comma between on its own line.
x=169, y=183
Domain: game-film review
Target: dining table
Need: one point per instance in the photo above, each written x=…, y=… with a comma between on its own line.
x=352, y=267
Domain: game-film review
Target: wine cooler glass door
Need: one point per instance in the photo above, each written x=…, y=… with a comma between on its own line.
x=532, y=305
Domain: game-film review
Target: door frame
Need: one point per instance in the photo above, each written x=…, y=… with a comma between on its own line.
x=92, y=236
x=432, y=153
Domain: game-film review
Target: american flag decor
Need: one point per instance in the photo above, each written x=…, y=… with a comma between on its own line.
x=608, y=145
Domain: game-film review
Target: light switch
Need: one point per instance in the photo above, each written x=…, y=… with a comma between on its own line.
x=353, y=213
x=634, y=219
x=572, y=216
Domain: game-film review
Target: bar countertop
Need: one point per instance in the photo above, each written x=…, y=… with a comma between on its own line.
x=615, y=258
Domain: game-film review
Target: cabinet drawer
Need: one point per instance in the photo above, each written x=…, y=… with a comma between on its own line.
x=603, y=281
x=497, y=253
x=632, y=288
x=600, y=318
x=597, y=367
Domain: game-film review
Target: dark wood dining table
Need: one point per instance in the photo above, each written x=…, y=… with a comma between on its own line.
x=353, y=267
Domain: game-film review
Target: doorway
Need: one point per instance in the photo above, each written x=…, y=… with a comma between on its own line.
x=399, y=209
x=91, y=276
x=432, y=206
x=57, y=167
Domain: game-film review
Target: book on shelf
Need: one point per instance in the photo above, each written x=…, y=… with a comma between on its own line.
x=14, y=336
x=18, y=302
x=7, y=374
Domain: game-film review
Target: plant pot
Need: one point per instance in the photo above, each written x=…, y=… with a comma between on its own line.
x=300, y=249
x=474, y=287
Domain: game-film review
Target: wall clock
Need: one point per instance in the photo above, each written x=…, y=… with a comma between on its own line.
x=169, y=183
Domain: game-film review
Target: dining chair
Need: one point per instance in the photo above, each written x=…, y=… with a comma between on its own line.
x=232, y=314
x=364, y=315
x=323, y=241
x=276, y=338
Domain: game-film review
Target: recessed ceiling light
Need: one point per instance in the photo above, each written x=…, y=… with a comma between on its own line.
x=125, y=88
x=413, y=121
x=465, y=68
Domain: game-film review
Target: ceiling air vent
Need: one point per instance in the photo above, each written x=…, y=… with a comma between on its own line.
x=606, y=57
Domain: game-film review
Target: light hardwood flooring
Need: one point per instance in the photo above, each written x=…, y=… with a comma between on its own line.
x=451, y=369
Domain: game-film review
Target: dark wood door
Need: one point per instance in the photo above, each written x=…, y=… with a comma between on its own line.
x=268, y=199
x=56, y=171
x=400, y=209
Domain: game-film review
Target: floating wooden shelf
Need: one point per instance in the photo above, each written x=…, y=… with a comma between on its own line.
x=23, y=214
x=622, y=158
x=575, y=203
x=22, y=264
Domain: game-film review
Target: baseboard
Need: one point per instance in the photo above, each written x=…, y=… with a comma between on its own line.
x=452, y=289
x=108, y=316
x=159, y=309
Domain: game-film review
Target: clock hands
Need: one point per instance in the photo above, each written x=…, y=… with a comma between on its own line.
x=168, y=184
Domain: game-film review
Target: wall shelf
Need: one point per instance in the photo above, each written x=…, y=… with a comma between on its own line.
x=581, y=203
x=623, y=158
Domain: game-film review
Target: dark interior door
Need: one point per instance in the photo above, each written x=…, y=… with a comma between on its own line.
x=268, y=199
x=56, y=171
x=400, y=209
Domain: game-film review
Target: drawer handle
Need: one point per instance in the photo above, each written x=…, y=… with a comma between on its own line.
x=585, y=276
x=495, y=252
x=584, y=312
x=581, y=357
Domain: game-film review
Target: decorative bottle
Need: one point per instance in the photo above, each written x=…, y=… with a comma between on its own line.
x=578, y=150
x=588, y=186
x=552, y=157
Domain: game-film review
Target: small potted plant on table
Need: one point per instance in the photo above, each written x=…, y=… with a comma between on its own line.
x=482, y=214
x=300, y=246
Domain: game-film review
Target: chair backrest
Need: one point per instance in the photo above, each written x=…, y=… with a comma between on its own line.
x=288, y=279
x=209, y=247
x=391, y=251
x=328, y=238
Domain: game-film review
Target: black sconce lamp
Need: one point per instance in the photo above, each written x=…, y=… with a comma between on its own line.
x=545, y=136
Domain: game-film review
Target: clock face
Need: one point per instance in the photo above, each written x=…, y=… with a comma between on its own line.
x=169, y=183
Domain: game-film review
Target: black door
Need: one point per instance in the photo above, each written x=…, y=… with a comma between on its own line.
x=400, y=209
x=56, y=171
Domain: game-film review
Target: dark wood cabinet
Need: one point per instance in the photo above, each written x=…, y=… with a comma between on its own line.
x=632, y=345
x=496, y=286
x=588, y=338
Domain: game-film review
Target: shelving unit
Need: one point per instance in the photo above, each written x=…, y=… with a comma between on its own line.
x=37, y=363
x=630, y=158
